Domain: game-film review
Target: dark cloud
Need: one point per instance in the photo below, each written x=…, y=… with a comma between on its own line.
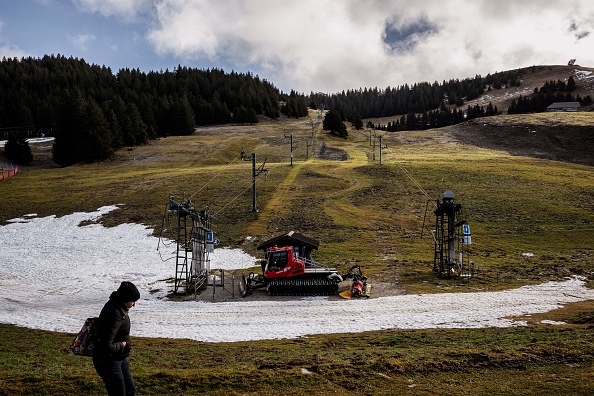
x=405, y=37
x=582, y=34
x=575, y=29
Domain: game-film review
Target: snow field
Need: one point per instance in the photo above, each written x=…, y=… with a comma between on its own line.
x=55, y=273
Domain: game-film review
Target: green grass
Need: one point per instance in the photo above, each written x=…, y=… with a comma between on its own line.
x=520, y=361
x=363, y=213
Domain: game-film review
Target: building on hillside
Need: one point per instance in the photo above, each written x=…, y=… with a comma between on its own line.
x=564, y=106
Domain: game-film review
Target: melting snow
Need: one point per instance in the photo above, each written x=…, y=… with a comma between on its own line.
x=31, y=140
x=55, y=273
x=584, y=74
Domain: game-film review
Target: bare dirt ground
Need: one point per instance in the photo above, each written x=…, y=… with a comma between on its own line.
x=230, y=291
x=554, y=141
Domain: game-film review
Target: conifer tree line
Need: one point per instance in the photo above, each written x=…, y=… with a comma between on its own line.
x=92, y=112
x=550, y=92
x=439, y=101
x=425, y=105
x=444, y=116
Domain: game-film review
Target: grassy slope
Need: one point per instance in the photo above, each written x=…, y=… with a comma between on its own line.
x=363, y=213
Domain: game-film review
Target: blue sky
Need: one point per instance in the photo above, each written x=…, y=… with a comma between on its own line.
x=306, y=45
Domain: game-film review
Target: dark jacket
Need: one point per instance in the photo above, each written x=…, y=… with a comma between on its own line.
x=114, y=327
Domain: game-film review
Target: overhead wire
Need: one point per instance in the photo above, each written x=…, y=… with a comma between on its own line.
x=241, y=193
x=232, y=162
x=237, y=196
x=215, y=176
x=415, y=182
x=425, y=193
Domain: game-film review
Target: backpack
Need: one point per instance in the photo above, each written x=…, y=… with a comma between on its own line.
x=84, y=342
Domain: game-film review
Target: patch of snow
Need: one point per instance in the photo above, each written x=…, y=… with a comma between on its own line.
x=31, y=140
x=584, y=74
x=55, y=273
x=552, y=322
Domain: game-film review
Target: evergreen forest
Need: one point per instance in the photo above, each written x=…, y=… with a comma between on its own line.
x=93, y=112
x=432, y=105
x=551, y=92
x=421, y=106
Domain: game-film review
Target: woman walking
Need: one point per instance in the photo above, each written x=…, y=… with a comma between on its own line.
x=111, y=351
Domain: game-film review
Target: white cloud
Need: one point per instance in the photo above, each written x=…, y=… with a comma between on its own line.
x=338, y=44
x=7, y=50
x=82, y=41
x=10, y=52
x=127, y=9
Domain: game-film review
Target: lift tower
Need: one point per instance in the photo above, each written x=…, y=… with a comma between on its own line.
x=452, y=235
x=194, y=239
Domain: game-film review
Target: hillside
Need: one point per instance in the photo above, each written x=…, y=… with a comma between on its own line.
x=535, y=77
x=532, y=221
x=362, y=212
x=532, y=78
x=337, y=192
x=555, y=136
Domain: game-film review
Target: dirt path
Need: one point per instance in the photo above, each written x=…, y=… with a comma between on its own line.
x=277, y=206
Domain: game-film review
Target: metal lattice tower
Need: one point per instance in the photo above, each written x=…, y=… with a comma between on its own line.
x=194, y=238
x=452, y=234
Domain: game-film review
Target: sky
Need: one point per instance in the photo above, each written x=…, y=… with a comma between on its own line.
x=57, y=271
x=307, y=45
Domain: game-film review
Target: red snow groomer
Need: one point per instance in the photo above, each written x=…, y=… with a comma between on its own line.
x=289, y=270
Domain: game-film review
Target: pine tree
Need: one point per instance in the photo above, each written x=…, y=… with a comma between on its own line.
x=333, y=123
x=17, y=149
x=357, y=121
x=82, y=133
x=570, y=84
x=182, y=117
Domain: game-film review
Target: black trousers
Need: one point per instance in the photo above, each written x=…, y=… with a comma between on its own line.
x=116, y=376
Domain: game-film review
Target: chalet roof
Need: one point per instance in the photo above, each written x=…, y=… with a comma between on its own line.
x=563, y=106
x=291, y=238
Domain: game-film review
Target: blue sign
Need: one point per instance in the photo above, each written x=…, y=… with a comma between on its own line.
x=467, y=237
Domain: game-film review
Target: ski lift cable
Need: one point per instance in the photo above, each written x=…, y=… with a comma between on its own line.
x=214, y=177
x=232, y=186
x=227, y=192
x=415, y=182
x=231, y=201
x=242, y=192
x=167, y=259
x=162, y=226
x=429, y=198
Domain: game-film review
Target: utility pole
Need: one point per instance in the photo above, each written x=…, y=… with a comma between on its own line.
x=292, y=147
x=256, y=173
x=379, y=137
x=380, y=148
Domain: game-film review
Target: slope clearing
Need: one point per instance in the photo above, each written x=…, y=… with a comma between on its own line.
x=516, y=197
